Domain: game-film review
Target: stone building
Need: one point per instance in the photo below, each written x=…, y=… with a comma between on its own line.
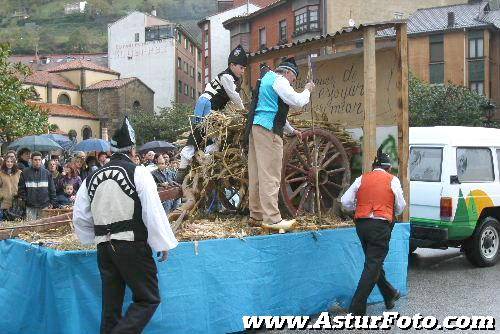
x=63, y=91
x=110, y=100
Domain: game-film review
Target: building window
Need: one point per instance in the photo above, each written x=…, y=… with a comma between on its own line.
x=186, y=90
x=179, y=37
x=476, y=44
x=179, y=62
x=306, y=20
x=136, y=106
x=199, y=76
x=179, y=87
x=186, y=68
x=262, y=38
x=199, y=55
x=207, y=37
x=477, y=86
x=136, y=38
x=283, y=31
x=64, y=99
x=156, y=33
x=476, y=75
x=436, y=57
x=192, y=92
x=192, y=72
x=86, y=132
x=186, y=43
x=191, y=48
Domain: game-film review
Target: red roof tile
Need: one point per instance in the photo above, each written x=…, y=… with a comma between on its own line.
x=42, y=78
x=64, y=110
x=111, y=83
x=82, y=64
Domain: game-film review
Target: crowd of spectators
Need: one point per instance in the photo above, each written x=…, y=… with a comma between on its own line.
x=31, y=181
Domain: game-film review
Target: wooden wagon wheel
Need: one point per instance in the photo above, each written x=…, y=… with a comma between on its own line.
x=298, y=179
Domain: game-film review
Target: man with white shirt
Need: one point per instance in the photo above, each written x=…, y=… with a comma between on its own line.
x=119, y=209
x=224, y=88
x=267, y=121
x=376, y=197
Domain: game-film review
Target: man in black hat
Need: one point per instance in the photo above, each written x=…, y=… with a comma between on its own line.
x=223, y=88
x=266, y=123
x=377, y=198
x=119, y=209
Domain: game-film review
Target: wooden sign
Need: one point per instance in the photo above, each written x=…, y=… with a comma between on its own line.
x=339, y=93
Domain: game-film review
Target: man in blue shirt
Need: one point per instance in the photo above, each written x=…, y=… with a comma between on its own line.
x=267, y=122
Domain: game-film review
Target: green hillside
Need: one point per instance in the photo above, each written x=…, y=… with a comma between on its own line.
x=26, y=24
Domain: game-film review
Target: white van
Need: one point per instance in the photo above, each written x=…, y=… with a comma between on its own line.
x=455, y=190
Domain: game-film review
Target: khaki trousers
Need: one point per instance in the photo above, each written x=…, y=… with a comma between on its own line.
x=265, y=155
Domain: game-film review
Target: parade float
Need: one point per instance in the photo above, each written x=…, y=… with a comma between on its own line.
x=225, y=269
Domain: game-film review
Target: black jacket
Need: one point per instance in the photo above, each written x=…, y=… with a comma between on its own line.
x=36, y=188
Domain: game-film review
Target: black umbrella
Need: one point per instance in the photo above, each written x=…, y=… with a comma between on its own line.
x=157, y=146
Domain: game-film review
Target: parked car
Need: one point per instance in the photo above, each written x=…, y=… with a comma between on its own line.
x=455, y=190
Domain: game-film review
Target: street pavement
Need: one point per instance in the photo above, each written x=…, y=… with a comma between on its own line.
x=442, y=283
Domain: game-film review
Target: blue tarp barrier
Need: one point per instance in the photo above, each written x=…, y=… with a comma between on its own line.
x=206, y=287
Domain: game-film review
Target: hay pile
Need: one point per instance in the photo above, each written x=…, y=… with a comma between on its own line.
x=61, y=238
x=213, y=227
x=226, y=170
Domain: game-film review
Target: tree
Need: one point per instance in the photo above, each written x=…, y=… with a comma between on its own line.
x=433, y=105
x=168, y=125
x=79, y=40
x=17, y=117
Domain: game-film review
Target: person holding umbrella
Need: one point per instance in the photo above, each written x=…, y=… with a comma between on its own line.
x=23, y=158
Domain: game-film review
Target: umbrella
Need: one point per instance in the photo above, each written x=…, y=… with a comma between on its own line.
x=35, y=143
x=157, y=146
x=93, y=144
x=64, y=141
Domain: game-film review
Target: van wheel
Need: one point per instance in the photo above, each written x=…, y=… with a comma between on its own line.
x=483, y=249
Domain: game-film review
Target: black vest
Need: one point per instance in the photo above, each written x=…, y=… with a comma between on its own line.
x=218, y=95
x=115, y=205
x=279, y=119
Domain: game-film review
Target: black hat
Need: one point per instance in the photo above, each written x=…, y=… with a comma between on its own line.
x=123, y=138
x=238, y=56
x=382, y=159
x=264, y=68
x=289, y=64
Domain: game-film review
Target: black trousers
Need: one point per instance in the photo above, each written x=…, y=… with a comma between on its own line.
x=374, y=235
x=126, y=263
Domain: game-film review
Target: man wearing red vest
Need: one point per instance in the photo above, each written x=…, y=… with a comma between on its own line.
x=376, y=197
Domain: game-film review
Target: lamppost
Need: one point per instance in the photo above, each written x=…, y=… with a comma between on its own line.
x=489, y=109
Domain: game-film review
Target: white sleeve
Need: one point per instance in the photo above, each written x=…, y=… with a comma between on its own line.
x=227, y=82
x=288, y=129
x=82, y=216
x=348, y=200
x=399, y=199
x=284, y=90
x=160, y=235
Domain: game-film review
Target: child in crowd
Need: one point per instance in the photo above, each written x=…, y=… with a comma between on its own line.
x=67, y=198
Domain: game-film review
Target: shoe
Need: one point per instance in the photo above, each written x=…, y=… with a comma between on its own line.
x=281, y=225
x=389, y=304
x=181, y=174
x=254, y=222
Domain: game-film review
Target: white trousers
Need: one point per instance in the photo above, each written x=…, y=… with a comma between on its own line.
x=188, y=152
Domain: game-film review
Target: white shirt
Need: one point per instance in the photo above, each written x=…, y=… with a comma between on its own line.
x=227, y=81
x=160, y=235
x=348, y=200
x=286, y=92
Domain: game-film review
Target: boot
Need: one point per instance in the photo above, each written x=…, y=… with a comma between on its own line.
x=181, y=174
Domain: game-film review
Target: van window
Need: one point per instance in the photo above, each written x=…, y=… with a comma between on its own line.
x=425, y=164
x=474, y=164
